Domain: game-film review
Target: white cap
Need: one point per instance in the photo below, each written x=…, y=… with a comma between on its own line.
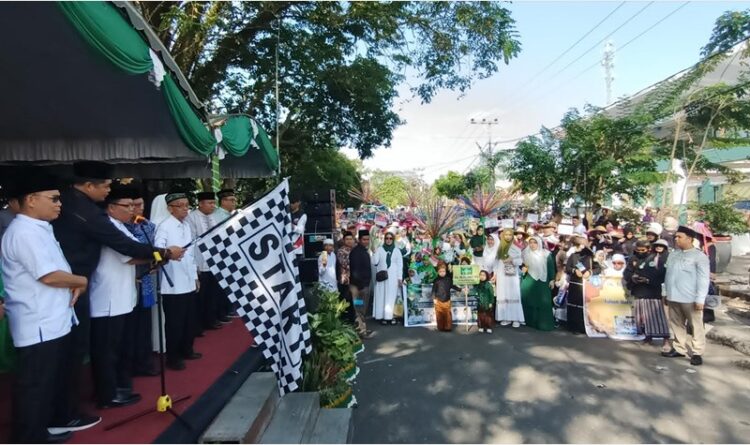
x=655, y=228
x=328, y=242
x=618, y=257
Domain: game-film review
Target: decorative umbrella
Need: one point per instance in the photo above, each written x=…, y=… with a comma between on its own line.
x=483, y=204
x=438, y=217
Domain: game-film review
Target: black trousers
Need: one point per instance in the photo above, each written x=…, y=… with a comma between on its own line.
x=77, y=349
x=209, y=300
x=179, y=325
x=344, y=293
x=109, y=356
x=142, y=351
x=39, y=389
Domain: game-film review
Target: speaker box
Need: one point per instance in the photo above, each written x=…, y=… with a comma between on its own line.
x=314, y=243
x=308, y=270
x=320, y=208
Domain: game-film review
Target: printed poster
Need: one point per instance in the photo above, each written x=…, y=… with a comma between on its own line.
x=607, y=310
x=419, y=309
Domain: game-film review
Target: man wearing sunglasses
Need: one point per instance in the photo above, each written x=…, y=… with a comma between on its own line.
x=40, y=291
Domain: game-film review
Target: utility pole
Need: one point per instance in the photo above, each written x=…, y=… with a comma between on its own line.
x=487, y=152
x=608, y=62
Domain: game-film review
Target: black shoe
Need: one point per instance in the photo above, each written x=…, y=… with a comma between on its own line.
x=224, y=320
x=176, y=366
x=696, y=360
x=81, y=423
x=193, y=356
x=120, y=401
x=368, y=334
x=59, y=438
x=672, y=354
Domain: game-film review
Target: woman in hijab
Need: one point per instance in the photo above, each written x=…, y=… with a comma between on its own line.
x=580, y=266
x=538, y=280
x=509, y=257
x=389, y=268
x=487, y=262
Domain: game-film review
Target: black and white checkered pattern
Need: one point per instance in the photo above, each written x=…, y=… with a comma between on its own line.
x=251, y=257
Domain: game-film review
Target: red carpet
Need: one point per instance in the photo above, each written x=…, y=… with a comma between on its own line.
x=220, y=349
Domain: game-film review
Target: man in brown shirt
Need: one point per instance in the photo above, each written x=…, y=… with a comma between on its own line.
x=343, y=273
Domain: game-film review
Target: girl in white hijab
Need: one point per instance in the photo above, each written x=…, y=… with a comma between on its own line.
x=490, y=252
x=538, y=281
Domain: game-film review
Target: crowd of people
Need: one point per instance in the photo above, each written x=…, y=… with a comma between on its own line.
x=80, y=278
x=532, y=274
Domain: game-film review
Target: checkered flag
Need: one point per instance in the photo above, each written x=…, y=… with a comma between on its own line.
x=251, y=255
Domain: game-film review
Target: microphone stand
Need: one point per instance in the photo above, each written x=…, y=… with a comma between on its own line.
x=164, y=402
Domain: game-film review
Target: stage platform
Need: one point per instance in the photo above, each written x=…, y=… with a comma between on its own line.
x=210, y=382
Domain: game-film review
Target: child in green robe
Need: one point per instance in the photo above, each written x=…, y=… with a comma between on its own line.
x=485, y=303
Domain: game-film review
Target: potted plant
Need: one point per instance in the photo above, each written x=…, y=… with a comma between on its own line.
x=724, y=221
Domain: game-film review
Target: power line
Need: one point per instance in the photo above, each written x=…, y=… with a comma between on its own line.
x=596, y=45
x=597, y=63
x=535, y=76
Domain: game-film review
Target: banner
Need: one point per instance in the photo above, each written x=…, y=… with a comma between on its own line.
x=466, y=275
x=251, y=255
x=607, y=310
x=419, y=309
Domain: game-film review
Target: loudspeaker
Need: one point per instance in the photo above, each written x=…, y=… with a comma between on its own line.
x=308, y=270
x=320, y=208
x=314, y=243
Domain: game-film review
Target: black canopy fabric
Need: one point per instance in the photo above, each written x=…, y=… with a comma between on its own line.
x=63, y=102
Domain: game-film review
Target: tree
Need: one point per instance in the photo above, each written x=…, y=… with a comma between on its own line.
x=451, y=185
x=391, y=191
x=339, y=63
x=321, y=170
x=537, y=167
x=591, y=157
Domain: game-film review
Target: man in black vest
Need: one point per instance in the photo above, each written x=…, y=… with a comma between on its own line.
x=359, y=281
x=82, y=229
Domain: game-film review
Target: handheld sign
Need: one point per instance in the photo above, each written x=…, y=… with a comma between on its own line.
x=466, y=275
x=532, y=218
x=565, y=229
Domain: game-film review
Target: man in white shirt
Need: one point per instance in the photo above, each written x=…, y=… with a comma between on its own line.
x=209, y=301
x=578, y=227
x=113, y=295
x=179, y=296
x=327, y=266
x=40, y=294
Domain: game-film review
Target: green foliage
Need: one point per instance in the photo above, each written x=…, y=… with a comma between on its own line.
x=329, y=333
x=730, y=28
x=317, y=170
x=480, y=177
x=722, y=217
x=389, y=189
x=451, y=185
x=340, y=63
x=590, y=158
x=537, y=167
x=628, y=215
x=333, y=348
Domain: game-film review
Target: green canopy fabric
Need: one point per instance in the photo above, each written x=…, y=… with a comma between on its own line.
x=107, y=31
x=238, y=135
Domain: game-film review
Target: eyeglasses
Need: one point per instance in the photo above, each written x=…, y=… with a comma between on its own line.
x=127, y=206
x=618, y=262
x=54, y=198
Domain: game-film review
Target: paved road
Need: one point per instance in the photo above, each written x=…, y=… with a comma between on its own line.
x=520, y=385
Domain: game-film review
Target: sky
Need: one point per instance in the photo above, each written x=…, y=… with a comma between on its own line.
x=523, y=96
